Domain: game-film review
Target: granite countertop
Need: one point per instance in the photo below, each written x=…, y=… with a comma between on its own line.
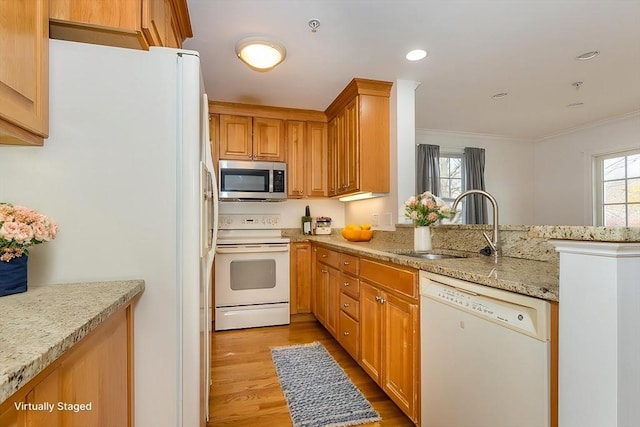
x=38, y=326
x=538, y=279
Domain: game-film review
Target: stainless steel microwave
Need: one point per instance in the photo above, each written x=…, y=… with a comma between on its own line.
x=246, y=180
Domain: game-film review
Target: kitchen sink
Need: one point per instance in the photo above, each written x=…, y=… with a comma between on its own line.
x=428, y=255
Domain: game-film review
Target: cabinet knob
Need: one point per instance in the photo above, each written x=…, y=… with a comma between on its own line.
x=300, y=191
x=324, y=255
x=346, y=263
x=378, y=298
x=382, y=300
x=345, y=305
x=345, y=284
x=345, y=333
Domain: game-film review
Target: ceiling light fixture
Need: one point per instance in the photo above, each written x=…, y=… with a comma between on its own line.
x=416, y=55
x=260, y=54
x=588, y=55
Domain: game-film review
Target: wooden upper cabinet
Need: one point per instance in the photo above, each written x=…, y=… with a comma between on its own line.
x=135, y=24
x=24, y=72
x=306, y=159
x=296, y=164
x=235, y=138
x=251, y=138
x=268, y=140
x=316, y=159
x=359, y=138
x=159, y=23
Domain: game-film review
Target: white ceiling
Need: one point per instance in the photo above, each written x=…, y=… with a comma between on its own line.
x=477, y=48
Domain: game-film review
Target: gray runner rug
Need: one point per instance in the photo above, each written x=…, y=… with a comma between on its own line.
x=319, y=393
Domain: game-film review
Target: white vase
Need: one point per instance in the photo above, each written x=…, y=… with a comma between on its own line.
x=422, y=238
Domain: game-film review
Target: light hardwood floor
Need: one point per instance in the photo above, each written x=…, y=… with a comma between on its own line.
x=245, y=390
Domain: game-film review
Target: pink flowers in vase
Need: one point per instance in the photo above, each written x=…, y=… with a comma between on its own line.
x=425, y=209
x=21, y=228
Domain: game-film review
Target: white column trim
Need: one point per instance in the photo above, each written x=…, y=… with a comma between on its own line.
x=605, y=249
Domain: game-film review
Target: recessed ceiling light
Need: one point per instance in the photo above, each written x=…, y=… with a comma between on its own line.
x=575, y=104
x=588, y=55
x=260, y=53
x=500, y=95
x=416, y=55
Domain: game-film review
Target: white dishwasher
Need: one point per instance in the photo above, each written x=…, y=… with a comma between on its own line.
x=485, y=356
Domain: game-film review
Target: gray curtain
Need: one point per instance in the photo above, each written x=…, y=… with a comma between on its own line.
x=428, y=169
x=476, y=205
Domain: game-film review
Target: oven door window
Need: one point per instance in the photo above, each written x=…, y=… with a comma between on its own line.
x=244, y=180
x=253, y=274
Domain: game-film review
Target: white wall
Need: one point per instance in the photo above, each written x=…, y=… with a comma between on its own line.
x=563, y=179
x=291, y=210
x=509, y=169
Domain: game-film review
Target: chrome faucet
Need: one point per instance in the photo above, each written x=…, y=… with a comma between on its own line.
x=493, y=242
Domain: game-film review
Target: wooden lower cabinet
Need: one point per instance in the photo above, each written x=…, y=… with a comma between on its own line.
x=370, y=331
x=90, y=385
x=400, y=358
x=389, y=345
x=300, y=278
x=327, y=296
x=372, y=309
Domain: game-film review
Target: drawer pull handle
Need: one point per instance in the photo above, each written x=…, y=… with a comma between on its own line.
x=346, y=333
x=324, y=271
x=324, y=255
x=346, y=263
x=345, y=305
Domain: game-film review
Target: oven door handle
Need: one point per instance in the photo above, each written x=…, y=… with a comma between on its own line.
x=248, y=249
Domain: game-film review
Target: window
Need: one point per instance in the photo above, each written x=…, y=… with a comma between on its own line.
x=451, y=176
x=618, y=189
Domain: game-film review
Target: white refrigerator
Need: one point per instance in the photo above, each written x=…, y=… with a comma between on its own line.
x=126, y=173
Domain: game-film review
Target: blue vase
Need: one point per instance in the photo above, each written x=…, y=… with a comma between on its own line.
x=13, y=276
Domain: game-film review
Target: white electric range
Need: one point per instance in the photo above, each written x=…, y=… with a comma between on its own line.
x=251, y=272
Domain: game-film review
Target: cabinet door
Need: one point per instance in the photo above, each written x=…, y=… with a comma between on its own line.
x=350, y=166
x=295, y=136
x=400, y=346
x=154, y=21
x=300, y=266
x=348, y=334
x=370, y=331
x=341, y=158
x=332, y=157
x=317, y=162
x=98, y=371
x=321, y=281
x=333, y=301
x=235, y=138
x=268, y=140
x=24, y=73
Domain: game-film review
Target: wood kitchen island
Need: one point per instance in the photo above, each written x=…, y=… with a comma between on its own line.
x=66, y=355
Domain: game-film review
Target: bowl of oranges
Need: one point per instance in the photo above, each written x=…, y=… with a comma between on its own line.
x=357, y=233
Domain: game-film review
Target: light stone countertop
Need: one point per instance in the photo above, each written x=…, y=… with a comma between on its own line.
x=38, y=326
x=538, y=279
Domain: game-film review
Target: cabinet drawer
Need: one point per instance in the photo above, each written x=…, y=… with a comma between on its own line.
x=350, y=264
x=403, y=280
x=349, y=306
x=349, y=335
x=328, y=257
x=350, y=286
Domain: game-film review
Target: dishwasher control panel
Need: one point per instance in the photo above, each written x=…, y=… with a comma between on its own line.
x=521, y=318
